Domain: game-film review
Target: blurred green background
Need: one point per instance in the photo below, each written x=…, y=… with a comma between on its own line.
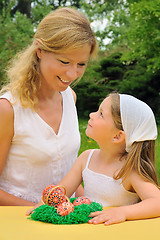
x=128, y=61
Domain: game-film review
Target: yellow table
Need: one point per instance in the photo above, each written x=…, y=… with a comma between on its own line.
x=14, y=225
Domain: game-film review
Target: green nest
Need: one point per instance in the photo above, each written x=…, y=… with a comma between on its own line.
x=80, y=214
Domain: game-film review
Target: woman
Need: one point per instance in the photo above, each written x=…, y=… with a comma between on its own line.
x=39, y=134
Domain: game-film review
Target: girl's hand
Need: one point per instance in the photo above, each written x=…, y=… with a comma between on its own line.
x=108, y=216
x=32, y=209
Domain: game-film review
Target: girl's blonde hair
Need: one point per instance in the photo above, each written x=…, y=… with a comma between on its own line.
x=60, y=31
x=141, y=157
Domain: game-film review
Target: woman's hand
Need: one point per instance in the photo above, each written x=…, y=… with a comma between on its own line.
x=108, y=216
x=32, y=209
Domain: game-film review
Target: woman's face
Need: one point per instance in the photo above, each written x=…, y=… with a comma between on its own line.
x=60, y=70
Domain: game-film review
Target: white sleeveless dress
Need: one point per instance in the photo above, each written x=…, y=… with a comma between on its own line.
x=106, y=190
x=38, y=157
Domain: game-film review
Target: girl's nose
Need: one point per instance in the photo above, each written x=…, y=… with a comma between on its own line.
x=91, y=115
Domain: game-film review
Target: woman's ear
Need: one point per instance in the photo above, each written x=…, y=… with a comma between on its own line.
x=119, y=137
x=39, y=53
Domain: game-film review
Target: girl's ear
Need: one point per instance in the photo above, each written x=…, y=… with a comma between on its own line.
x=119, y=137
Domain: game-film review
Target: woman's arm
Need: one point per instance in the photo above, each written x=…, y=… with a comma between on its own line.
x=6, y=135
x=7, y=199
x=6, y=130
x=148, y=207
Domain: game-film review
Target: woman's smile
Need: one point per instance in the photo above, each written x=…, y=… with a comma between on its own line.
x=64, y=81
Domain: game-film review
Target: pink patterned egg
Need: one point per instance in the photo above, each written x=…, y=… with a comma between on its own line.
x=81, y=200
x=53, y=195
x=65, y=208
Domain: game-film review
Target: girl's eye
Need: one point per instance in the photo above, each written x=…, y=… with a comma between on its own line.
x=101, y=114
x=64, y=62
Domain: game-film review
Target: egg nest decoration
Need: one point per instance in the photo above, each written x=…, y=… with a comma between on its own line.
x=48, y=214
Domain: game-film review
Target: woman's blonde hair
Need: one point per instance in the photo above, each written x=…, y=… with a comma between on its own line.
x=60, y=31
x=141, y=157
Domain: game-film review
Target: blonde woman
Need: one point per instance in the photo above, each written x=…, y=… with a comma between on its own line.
x=121, y=174
x=39, y=134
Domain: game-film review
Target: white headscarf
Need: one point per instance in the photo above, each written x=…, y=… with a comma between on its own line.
x=138, y=120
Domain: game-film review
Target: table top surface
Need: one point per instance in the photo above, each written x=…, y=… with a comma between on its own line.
x=14, y=224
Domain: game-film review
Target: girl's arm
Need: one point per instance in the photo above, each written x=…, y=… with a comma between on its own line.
x=148, y=207
x=150, y=199
x=72, y=179
x=79, y=191
x=6, y=135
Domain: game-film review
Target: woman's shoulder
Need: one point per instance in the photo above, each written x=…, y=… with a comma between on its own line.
x=6, y=116
x=5, y=107
x=6, y=104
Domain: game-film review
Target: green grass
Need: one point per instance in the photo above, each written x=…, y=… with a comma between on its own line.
x=87, y=143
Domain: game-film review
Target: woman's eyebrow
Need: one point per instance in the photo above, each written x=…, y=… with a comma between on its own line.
x=72, y=60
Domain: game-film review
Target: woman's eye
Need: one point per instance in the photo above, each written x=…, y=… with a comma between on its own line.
x=64, y=62
x=81, y=64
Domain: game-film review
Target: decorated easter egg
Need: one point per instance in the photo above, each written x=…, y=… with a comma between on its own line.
x=46, y=191
x=81, y=200
x=53, y=195
x=65, y=208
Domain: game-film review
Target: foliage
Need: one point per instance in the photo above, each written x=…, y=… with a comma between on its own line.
x=144, y=33
x=6, y=8
x=26, y=6
x=89, y=90
x=132, y=23
x=88, y=97
x=111, y=74
x=130, y=64
x=39, y=11
x=15, y=34
x=98, y=8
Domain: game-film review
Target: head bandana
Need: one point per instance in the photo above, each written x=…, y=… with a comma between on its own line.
x=138, y=120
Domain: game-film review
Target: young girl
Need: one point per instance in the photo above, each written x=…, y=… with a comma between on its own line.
x=121, y=174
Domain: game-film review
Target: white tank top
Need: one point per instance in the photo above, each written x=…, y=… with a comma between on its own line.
x=106, y=190
x=38, y=156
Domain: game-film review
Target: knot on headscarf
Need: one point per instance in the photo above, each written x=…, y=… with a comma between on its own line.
x=138, y=120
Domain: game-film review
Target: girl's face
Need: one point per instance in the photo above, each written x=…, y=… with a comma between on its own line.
x=101, y=126
x=60, y=70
